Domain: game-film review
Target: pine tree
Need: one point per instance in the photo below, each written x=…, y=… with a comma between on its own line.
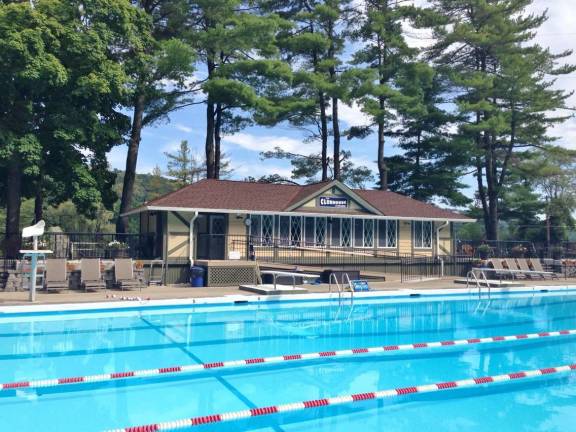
x=179, y=164
x=503, y=86
x=236, y=46
x=433, y=161
x=383, y=54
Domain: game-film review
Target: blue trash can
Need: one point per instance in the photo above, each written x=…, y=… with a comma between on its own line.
x=197, y=276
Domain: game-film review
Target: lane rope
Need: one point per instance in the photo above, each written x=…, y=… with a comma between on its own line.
x=339, y=400
x=195, y=368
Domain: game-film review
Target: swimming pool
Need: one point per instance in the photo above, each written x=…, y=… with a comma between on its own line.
x=51, y=345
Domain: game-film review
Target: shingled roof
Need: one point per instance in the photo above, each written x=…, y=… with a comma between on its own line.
x=229, y=195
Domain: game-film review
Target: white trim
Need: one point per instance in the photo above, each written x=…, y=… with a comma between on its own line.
x=285, y=213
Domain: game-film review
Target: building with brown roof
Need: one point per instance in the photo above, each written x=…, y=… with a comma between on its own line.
x=223, y=219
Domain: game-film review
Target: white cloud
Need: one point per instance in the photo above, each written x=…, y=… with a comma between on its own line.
x=242, y=170
x=353, y=115
x=261, y=143
x=183, y=128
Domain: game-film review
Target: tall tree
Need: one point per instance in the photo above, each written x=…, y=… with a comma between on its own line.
x=236, y=47
x=304, y=46
x=433, y=160
x=56, y=55
x=503, y=85
x=161, y=83
x=384, y=52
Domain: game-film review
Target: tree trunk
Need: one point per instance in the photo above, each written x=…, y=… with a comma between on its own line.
x=38, y=203
x=13, y=202
x=336, y=131
x=217, y=141
x=324, y=135
x=131, y=161
x=382, y=168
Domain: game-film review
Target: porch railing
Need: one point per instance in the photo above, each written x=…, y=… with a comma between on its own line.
x=283, y=251
x=94, y=245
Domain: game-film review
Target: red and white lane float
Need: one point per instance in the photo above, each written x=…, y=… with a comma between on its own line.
x=339, y=400
x=194, y=368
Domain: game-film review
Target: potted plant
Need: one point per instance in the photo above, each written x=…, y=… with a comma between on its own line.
x=519, y=251
x=484, y=251
x=116, y=249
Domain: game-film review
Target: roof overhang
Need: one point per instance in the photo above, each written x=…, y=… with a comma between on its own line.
x=290, y=213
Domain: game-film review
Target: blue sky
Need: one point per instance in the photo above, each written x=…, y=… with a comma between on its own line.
x=244, y=148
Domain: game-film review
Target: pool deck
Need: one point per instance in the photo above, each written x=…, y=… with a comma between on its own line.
x=185, y=292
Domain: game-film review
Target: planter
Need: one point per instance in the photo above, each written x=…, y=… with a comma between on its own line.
x=117, y=253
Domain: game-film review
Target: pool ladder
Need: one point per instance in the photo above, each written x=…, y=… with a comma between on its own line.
x=340, y=287
x=471, y=276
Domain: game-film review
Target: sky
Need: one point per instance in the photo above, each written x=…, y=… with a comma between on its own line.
x=243, y=148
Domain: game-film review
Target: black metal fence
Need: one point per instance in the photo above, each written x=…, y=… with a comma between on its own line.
x=515, y=249
x=94, y=245
x=282, y=251
x=420, y=268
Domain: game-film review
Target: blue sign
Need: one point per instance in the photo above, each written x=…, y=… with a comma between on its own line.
x=334, y=202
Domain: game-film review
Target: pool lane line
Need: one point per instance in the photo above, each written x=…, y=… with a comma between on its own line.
x=195, y=368
x=345, y=399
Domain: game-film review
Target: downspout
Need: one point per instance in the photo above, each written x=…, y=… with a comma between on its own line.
x=444, y=225
x=191, y=239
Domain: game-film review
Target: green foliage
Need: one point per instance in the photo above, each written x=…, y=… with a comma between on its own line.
x=502, y=83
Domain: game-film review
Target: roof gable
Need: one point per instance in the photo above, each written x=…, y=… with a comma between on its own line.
x=309, y=194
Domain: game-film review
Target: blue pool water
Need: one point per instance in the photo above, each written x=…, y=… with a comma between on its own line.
x=82, y=343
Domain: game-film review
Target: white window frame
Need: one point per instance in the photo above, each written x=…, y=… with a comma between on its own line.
x=350, y=232
x=387, y=224
x=420, y=243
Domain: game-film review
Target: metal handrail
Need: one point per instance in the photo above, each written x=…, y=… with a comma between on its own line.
x=333, y=275
x=472, y=274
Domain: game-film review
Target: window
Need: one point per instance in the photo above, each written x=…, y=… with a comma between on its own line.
x=320, y=231
x=267, y=229
x=364, y=233
x=422, y=234
x=284, y=230
x=309, y=231
x=346, y=233
x=358, y=233
x=368, y=233
x=255, y=228
x=387, y=233
x=335, y=226
x=262, y=229
x=295, y=230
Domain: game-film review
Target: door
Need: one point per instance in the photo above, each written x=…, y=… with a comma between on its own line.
x=211, y=234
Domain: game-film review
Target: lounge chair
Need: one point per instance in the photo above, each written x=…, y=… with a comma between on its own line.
x=523, y=264
x=124, y=274
x=499, y=269
x=56, y=277
x=511, y=264
x=90, y=274
x=537, y=266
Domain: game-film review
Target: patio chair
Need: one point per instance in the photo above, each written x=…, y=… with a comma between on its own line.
x=523, y=264
x=124, y=274
x=90, y=274
x=537, y=266
x=511, y=264
x=499, y=269
x=56, y=276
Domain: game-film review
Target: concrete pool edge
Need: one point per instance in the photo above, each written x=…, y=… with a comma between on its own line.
x=232, y=300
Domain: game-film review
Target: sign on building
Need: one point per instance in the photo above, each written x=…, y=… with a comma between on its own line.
x=334, y=202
